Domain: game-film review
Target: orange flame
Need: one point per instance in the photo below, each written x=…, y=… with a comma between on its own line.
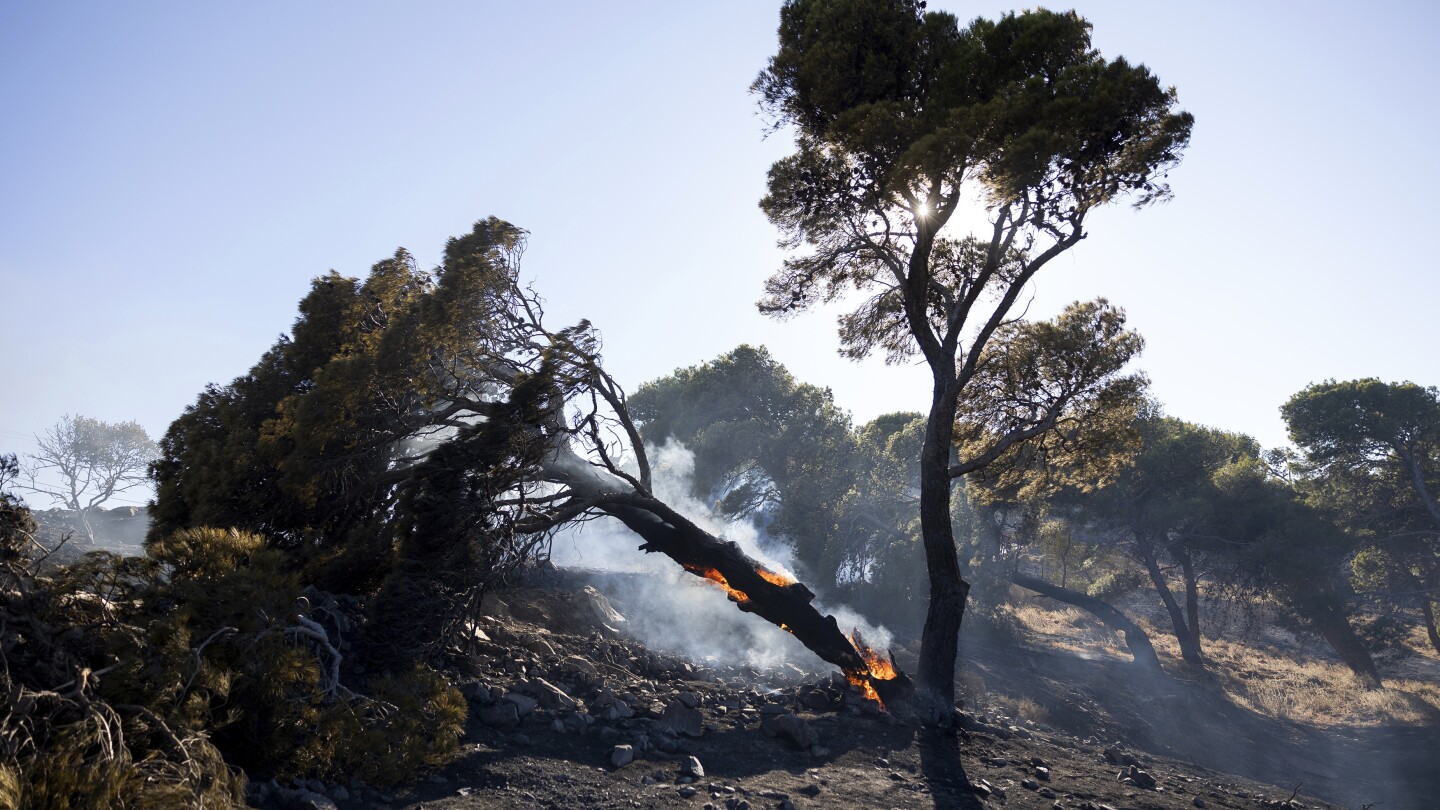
x=719, y=579
x=878, y=668
x=774, y=578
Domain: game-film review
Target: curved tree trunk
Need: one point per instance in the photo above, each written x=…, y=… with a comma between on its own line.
x=1135, y=638
x=1330, y=620
x=1189, y=643
x=939, y=641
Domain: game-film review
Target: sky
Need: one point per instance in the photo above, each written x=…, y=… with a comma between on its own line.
x=173, y=175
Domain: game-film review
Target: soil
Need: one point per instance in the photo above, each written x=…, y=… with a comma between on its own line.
x=1099, y=723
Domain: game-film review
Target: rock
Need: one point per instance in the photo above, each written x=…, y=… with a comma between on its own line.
x=490, y=606
x=688, y=699
x=692, y=768
x=795, y=729
x=622, y=755
x=539, y=646
x=687, y=792
x=310, y=800
x=1138, y=777
x=592, y=606
x=549, y=695
x=502, y=715
x=1029, y=784
x=819, y=751
x=1042, y=773
x=338, y=793
x=683, y=719
x=816, y=700
x=1198, y=802
x=524, y=704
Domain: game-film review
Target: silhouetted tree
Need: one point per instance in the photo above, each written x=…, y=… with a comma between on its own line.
x=87, y=462
x=901, y=118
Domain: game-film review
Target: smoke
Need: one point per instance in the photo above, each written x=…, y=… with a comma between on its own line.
x=669, y=609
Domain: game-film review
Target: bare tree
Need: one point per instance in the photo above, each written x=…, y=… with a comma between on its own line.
x=82, y=463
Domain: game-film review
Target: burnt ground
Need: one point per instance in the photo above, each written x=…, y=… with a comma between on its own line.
x=554, y=689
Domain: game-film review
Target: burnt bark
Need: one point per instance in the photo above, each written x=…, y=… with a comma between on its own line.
x=787, y=606
x=1142, y=651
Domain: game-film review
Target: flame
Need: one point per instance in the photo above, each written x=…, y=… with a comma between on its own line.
x=719, y=579
x=775, y=578
x=878, y=668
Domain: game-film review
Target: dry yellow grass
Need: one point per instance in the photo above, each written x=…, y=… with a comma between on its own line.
x=1263, y=668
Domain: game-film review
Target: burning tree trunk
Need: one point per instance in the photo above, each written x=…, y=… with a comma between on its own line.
x=753, y=588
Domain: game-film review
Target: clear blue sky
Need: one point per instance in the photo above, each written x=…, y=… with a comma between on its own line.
x=172, y=175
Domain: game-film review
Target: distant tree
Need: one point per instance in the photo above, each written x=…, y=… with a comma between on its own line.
x=901, y=119
x=1200, y=503
x=766, y=446
x=1372, y=459
x=82, y=463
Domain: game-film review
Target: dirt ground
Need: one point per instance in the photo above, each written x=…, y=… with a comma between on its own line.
x=1098, y=723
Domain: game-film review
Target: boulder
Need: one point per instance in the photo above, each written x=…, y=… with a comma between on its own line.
x=622, y=755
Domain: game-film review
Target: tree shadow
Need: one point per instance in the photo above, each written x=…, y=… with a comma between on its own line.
x=944, y=773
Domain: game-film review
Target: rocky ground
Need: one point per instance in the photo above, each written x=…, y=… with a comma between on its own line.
x=567, y=712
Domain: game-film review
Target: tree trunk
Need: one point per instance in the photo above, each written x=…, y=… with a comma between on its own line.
x=1427, y=607
x=948, y=590
x=1135, y=637
x=1192, y=594
x=1330, y=620
x=1189, y=648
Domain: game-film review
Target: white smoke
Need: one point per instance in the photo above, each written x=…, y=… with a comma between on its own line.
x=669, y=609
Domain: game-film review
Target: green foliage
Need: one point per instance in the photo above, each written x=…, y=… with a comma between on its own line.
x=1372, y=463
x=765, y=446
x=1059, y=383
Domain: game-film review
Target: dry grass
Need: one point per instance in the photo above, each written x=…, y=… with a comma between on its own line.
x=1070, y=629
x=1262, y=667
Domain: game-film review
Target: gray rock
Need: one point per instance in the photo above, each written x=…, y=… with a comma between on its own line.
x=1198, y=802
x=592, y=605
x=1138, y=777
x=338, y=793
x=683, y=719
x=795, y=729
x=689, y=699
x=622, y=755
x=524, y=704
x=1042, y=773
x=310, y=800
x=687, y=792
x=1029, y=784
x=692, y=768
x=502, y=715
x=549, y=695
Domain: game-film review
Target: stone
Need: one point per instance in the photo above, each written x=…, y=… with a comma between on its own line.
x=1139, y=778
x=689, y=699
x=1029, y=784
x=310, y=800
x=687, y=792
x=549, y=695
x=795, y=729
x=683, y=719
x=338, y=793
x=502, y=715
x=692, y=768
x=1198, y=802
x=1042, y=773
x=622, y=755
x=592, y=606
x=524, y=704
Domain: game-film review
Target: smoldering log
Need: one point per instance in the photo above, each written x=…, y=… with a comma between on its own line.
x=783, y=603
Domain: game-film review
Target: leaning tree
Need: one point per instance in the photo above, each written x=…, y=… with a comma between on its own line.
x=419, y=434
x=902, y=121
